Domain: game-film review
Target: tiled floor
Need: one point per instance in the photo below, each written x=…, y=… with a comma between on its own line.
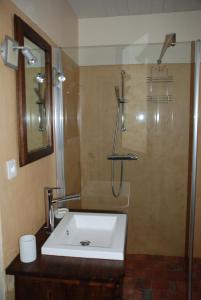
x=150, y=277
x=196, y=282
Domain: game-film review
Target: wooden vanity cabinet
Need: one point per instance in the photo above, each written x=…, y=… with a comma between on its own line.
x=66, y=278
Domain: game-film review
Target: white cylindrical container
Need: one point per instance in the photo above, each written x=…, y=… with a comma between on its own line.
x=27, y=245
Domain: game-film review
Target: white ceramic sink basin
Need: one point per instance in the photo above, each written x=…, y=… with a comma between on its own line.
x=90, y=235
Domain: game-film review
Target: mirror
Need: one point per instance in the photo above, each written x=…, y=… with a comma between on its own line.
x=34, y=90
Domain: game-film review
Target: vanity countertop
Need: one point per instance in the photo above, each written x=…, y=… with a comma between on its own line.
x=67, y=268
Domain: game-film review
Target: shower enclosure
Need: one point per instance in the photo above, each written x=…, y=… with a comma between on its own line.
x=158, y=189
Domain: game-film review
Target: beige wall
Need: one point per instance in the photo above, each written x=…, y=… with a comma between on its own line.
x=156, y=184
x=140, y=29
x=56, y=18
x=21, y=199
x=22, y=204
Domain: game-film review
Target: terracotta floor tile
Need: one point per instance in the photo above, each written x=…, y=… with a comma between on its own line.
x=160, y=294
x=138, y=295
x=196, y=296
x=152, y=277
x=181, y=287
x=159, y=283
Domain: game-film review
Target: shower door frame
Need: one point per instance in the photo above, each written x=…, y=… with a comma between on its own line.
x=197, y=62
x=58, y=125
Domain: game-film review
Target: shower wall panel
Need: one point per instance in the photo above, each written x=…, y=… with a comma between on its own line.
x=155, y=186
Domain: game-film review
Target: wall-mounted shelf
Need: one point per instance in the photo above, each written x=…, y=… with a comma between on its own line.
x=160, y=85
x=161, y=98
x=151, y=79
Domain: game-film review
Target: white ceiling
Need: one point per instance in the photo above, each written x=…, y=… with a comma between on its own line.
x=111, y=8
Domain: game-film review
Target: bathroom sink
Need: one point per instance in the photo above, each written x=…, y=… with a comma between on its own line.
x=89, y=235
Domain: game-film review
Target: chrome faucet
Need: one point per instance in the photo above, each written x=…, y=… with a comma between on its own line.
x=49, y=207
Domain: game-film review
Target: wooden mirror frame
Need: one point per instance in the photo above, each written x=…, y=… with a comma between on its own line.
x=24, y=30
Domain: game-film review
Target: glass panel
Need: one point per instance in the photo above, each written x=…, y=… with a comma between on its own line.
x=71, y=129
x=35, y=98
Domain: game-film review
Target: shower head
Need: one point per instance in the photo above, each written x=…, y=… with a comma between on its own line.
x=170, y=41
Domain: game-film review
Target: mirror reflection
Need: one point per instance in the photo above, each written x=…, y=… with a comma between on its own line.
x=36, y=84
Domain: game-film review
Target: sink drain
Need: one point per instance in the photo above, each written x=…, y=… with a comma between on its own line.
x=85, y=243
